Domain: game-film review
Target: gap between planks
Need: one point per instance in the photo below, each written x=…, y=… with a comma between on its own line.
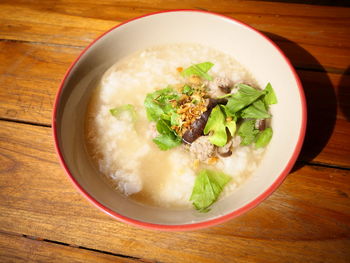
x=81, y=247
x=38, y=239
x=39, y=124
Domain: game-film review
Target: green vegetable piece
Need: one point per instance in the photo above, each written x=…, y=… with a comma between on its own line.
x=167, y=138
x=187, y=90
x=263, y=138
x=257, y=110
x=157, y=104
x=165, y=142
x=207, y=188
x=117, y=111
x=224, y=109
x=200, y=70
x=163, y=127
x=216, y=124
x=175, y=119
x=245, y=96
x=231, y=126
x=247, y=132
x=270, y=97
x=225, y=96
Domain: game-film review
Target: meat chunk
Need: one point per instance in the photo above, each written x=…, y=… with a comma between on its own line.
x=225, y=151
x=202, y=149
x=219, y=87
x=224, y=84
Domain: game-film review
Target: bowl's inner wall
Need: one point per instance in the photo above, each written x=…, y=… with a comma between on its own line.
x=248, y=47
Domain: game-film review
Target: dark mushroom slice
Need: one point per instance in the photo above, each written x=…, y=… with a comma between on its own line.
x=224, y=84
x=225, y=89
x=197, y=127
x=213, y=102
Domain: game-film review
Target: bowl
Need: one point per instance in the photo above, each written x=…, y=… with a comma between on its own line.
x=252, y=49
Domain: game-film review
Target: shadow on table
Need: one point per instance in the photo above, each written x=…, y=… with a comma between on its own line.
x=321, y=100
x=344, y=94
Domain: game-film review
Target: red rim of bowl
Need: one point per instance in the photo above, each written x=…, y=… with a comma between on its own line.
x=214, y=221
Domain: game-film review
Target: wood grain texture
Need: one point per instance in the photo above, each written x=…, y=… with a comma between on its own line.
x=28, y=85
x=20, y=249
x=305, y=220
x=29, y=82
x=304, y=24
x=316, y=29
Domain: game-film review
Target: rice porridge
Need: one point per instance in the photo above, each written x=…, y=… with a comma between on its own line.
x=141, y=121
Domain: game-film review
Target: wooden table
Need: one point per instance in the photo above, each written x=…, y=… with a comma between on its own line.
x=44, y=219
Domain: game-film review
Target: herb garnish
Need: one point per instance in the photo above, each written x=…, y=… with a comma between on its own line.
x=175, y=109
x=245, y=96
x=207, y=188
x=217, y=124
x=200, y=70
x=158, y=104
x=178, y=107
x=167, y=137
x=257, y=110
x=247, y=131
x=263, y=138
x=117, y=111
x=248, y=103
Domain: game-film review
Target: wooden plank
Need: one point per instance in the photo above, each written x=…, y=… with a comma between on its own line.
x=29, y=78
x=126, y=8
x=306, y=220
x=29, y=24
x=20, y=249
x=38, y=69
x=79, y=22
x=328, y=126
x=29, y=83
x=324, y=59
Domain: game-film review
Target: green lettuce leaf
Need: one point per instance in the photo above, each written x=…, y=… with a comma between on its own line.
x=167, y=138
x=231, y=126
x=270, y=97
x=207, y=188
x=175, y=119
x=257, y=110
x=216, y=124
x=117, y=111
x=263, y=138
x=200, y=70
x=247, y=132
x=187, y=90
x=165, y=142
x=158, y=104
x=245, y=96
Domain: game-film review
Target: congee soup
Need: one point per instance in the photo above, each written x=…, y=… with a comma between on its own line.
x=178, y=126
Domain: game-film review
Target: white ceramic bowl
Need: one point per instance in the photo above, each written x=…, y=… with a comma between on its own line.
x=252, y=49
